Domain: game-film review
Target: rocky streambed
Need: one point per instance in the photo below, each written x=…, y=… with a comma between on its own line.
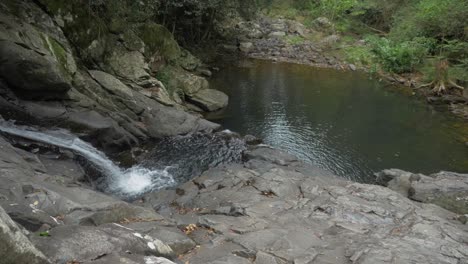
x=102, y=78
x=268, y=208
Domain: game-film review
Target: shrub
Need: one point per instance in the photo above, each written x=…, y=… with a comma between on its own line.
x=432, y=18
x=399, y=57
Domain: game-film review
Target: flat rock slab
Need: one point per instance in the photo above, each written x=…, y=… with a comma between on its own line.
x=276, y=212
x=86, y=243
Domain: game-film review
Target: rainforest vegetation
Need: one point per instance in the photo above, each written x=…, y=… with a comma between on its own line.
x=400, y=36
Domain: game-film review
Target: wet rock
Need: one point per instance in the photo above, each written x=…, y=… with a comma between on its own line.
x=447, y=99
x=204, y=72
x=210, y=100
x=252, y=140
x=271, y=155
x=16, y=248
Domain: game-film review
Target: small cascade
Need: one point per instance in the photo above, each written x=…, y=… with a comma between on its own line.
x=125, y=183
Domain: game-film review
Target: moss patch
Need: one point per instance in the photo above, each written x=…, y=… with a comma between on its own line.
x=60, y=54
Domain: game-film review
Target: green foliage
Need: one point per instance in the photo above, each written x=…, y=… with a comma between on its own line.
x=432, y=18
x=164, y=75
x=399, y=57
x=44, y=234
x=333, y=8
x=158, y=38
x=360, y=55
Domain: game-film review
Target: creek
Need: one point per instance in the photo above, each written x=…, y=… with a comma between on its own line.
x=343, y=122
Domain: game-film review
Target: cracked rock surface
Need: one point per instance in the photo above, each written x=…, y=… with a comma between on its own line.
x=287, y=212
x=271, y=208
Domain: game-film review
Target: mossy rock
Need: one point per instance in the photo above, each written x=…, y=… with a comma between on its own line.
x=65, y=60
x=158, y=39
x=81, y=25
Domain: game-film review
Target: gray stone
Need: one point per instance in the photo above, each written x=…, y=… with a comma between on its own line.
x=210, y=100
x=446, y=189
x=190, y=83
x=246, y=46
x=271, y=155
x=175, y=239
x=129, y=65
x=67, y=243
x=323, y=22
x=277, y=34
x=231, y=260
x=111, y=84
x=16, y=248
x=255, y=33
x=295, y=27
x=32, y=74
x=252, y=140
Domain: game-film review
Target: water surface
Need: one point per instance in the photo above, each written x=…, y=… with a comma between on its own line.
x=341, y=121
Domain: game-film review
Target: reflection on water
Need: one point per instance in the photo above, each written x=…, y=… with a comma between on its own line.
x=341, y=121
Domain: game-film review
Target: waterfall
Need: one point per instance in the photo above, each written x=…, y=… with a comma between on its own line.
x=123, y=182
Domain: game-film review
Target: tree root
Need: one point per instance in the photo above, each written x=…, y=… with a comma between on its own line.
x=441, y=83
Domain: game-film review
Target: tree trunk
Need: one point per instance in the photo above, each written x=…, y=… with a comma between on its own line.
x=442, y=82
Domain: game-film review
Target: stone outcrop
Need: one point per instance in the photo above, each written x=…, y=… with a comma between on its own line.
x=16, y=248
x=56, y=69
x=210, y=100
x=446, y=189
x=68, y=221
x=278, y=39
x=275, y=209
x=271, y=208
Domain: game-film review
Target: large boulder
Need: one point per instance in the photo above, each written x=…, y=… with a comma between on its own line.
x=446, y=189
x=36, y=60
x=15, y=246
x=32, y=74
x=86, y=243
x=189, y=83
x=210, y=100
x=126, y=64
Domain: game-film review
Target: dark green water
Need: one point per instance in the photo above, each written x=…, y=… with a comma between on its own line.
x=341, y=121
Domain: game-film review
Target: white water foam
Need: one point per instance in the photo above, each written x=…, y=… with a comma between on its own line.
x=130, y=182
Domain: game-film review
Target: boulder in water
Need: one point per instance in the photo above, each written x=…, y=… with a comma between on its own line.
x=210, y=100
